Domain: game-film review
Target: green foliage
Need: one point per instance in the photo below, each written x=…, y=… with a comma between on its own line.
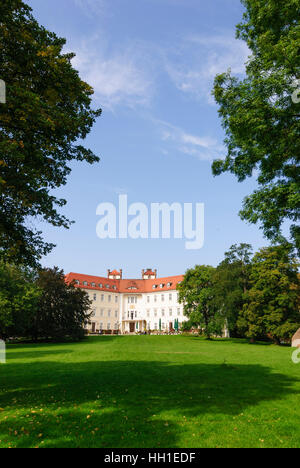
x=41, y=306
x=257, y=297
x=188, y=325
x=231, y=282
x=48, y=109
x=196, y=293
x=261, y=120
x=272, y=307
x=63, y=309
x=19, y=297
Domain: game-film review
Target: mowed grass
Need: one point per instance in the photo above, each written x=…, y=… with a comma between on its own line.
x=149, y=391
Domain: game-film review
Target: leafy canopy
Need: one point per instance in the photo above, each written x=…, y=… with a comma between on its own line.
x=272, y=305
x=261, y=120
x=196, y=293
x=19, y=298
x=231, y=283
x=63, y=309
x=41, y=305
x=48, y=109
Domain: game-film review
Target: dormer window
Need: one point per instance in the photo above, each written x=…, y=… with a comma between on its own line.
x=100, y=285
x=93, y=285
x=154, y=286
x=77, y=282
x=169, y=285
x=85, y=283
x=161, y=285
x=107, y=286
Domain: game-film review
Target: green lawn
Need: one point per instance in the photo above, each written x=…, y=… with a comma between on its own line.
x=149, y=391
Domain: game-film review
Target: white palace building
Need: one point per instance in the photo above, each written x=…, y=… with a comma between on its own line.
x=131, y=305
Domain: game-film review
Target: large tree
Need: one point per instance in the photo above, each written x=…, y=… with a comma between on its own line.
x=19, y=299
x=48, y=109
x=231, y=283
x=63, y=309
x=41, y=305
x=272, y=306
x=196, y=292
x=261, y=119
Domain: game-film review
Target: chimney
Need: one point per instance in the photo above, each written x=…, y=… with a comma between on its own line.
x=108, y=273
x=143, y=272
x=155, y=271
x=121, y=273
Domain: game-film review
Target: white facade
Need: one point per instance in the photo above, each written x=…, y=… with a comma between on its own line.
x=135, y=312
x=151, y=311
x=132, y=306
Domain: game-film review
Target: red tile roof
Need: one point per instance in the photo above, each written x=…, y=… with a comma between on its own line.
x=149, y=272
x=125, y=285
x=115, y=273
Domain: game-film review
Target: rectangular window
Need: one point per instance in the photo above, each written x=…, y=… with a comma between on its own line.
x=108, y=326
x=148, y=298
x=170, y=297
x=95, y=297
x=116, y=299
x=170, y=312
x=162, y=312
x=178, y=312
x=162, y=298
x=155, y=298
x=101, y=326
x=101, y=313
x=109, y=298
x=116, y=313
x=102, y=297
x=108, y=313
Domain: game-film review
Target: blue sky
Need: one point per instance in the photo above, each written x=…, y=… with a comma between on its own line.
x=152, y=64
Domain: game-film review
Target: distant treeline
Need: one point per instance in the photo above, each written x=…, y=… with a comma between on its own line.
x=253, y=296
x=40, y=305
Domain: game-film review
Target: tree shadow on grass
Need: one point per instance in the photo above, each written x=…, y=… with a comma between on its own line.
x=125, y=403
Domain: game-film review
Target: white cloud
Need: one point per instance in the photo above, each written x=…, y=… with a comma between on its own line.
x=118, y=78
x=92, y=7
x=193, y=67
x=128, y=73
x=204, y=148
